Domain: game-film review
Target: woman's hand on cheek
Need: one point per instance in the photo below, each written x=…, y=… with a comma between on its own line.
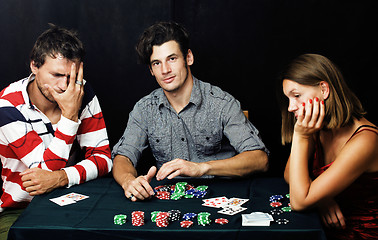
x=310, y=117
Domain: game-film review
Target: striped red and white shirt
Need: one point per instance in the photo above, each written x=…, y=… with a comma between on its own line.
x=28, y=139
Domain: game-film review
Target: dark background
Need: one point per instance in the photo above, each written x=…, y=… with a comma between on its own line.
x=238, y=45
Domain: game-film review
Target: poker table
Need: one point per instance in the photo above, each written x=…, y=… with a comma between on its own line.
x=92, y=218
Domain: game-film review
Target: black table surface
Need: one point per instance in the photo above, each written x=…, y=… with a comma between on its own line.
x=92, y=218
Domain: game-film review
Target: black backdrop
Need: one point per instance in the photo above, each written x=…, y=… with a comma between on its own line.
x=239, y=46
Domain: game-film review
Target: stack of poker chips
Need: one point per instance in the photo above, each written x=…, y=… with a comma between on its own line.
x=203, y=218
x=163, y=195
x=189, y=216
x=179, y=191
x=275, y=202
x=198, y=192
x=282, y=221
x=174, y=215
x=286, y=209
x=186, y=224
x=154, y=215
x=162, y=219
x=163, y=192
x=137, y=218
x=221, y=221
x=120, y=219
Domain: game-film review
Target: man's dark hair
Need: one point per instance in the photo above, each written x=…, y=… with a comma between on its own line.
x=57, y=40
x=158, y=34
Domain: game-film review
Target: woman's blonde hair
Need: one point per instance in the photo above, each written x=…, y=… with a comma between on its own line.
x=341, y=106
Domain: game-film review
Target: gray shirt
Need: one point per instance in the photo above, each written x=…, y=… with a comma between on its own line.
x=211, y=127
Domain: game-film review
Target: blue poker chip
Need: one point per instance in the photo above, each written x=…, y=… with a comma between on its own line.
x=190, y=191
x=189, y=216
x=275, y=198
x=199, y=194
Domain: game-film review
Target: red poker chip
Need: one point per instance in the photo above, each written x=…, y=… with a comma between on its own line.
x=221, y=221
x=276, y=204
x=186, y=224
x=162, y=219
x=137, y=218
x=163, y=195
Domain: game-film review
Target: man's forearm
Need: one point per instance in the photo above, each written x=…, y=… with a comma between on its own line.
x=123, y=169
x=62, y=178
x=240, y=165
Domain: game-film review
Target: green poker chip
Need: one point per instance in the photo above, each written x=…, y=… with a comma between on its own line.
x=154, y=215
x=203, y=218
x=286, y=209
x=120, y=219
x=202, y=188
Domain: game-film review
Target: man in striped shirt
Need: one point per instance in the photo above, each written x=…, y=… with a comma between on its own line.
x=51, y=133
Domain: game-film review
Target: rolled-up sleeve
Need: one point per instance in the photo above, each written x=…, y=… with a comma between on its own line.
x=241, y=133
x=134, y=139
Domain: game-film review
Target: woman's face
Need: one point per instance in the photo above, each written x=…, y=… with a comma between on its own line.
x=299, y=94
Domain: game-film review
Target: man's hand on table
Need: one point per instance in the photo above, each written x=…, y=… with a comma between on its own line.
x=139, y=188
x=180, y=167
x=37, y=181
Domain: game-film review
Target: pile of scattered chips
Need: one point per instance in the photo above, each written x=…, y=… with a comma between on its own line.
x=179, y=190
x=203, y=218
x=137, y=218
x=276, y=201
x=120, y=219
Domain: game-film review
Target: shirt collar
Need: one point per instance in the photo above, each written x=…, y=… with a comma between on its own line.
x=24, y=90
x=195, y=96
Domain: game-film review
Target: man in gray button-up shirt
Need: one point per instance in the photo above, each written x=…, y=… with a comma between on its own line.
x=193, y=128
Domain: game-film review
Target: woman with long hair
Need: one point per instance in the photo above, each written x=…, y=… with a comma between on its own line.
x=333, y=163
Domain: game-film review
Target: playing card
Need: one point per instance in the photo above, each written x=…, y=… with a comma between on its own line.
x=257, y=216
x=235, y=202
x=62, y=201
x=68, y=199
x=216, y=202
x=232, y=210
x=75, y=196
x=256, y=219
